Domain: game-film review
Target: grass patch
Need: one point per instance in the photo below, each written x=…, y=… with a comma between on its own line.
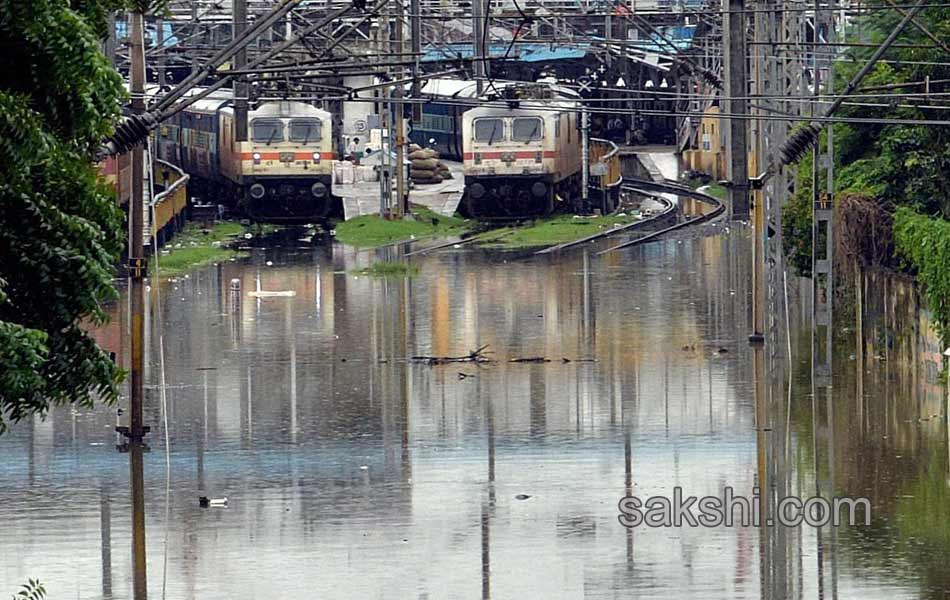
x=370, y=230
x=557, y=230
x=386, y=268
x=715, y=189
x=708, y=185
x=194, y=247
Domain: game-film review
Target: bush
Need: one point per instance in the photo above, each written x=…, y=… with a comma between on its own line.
x=924, y=242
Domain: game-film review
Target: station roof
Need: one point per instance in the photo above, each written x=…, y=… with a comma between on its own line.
x=523, y=52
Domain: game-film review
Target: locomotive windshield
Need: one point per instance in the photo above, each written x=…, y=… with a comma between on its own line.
x=489, y=130
x=267, y=131
x=526, y=129
x=305, y=130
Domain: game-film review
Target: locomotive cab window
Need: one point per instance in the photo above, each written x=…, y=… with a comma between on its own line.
x=489, y=130
x=305, y=130
x=526, y=129
x=267, y=131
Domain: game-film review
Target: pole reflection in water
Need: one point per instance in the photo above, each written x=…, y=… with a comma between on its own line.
x=364, y=475
x=105, y=532
x=137, y=480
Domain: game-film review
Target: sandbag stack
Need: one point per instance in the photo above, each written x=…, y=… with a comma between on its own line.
x=425, y=167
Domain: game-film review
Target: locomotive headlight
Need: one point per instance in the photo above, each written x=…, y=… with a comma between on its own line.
x=477, y=190
x=319, y=190
x=478, y=158
x=257, y=158
x=316, y=157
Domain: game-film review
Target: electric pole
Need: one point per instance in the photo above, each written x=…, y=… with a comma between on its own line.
x=240, y=83
x=137, y=271
x=415, y=22
x=478, y=37
x=736, y=106
x=385, y=107
x=400, y=121
x=160, y=47
x=585, y=159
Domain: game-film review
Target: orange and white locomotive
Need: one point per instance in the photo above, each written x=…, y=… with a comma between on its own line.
x=283, y=172
x=522, y=154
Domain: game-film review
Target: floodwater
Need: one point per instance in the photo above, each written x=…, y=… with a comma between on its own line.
x=353, y=472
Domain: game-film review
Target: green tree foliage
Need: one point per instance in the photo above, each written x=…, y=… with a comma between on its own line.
x=60, y=231
x=33, y=590
x=925, y=243
x=897, y=165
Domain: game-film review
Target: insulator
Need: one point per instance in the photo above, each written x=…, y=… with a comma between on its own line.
x=711, y=78
x=130, y=132
x=799, y=143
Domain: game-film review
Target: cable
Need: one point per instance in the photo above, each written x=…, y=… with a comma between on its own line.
x=802, y=140
x=539, y=105
x=161, y=353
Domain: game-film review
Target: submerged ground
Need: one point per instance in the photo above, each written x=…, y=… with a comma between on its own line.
x=354, y=473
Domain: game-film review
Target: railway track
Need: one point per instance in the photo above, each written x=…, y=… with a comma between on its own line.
x=638, y=186
x=680, y=190
x=668, y=211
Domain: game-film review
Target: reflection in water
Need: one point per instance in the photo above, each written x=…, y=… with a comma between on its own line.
x=353, y=472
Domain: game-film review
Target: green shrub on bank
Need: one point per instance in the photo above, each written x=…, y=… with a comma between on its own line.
x=924, y=242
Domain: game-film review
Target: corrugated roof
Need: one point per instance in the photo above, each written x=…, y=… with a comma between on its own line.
x=523, y=52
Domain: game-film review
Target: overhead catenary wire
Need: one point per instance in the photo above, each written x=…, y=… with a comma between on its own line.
x=564, y=105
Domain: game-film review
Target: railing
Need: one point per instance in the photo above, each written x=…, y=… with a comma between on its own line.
x=606, y=153
x=172, y=201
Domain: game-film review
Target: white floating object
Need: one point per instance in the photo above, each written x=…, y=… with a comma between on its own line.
x=272, y=294
x=269, y=263
x=456, y=245
x=205, y=502
x=364, y=468
x=248, y=236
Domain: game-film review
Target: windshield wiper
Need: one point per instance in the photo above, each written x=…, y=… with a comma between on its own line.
x=491, y=138
x=273, y=134
x=531, y=135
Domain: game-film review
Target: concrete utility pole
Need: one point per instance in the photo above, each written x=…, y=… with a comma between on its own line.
x=240, y=83
x=137, y=271
x=585, y=159
x=415, y=22
x=385, y=106
x=110, y=42
x=160, y=44
x=478, y=36
x=399, y=91
x=736, y=106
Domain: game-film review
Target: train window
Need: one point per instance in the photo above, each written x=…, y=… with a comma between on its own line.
x=267, y=130
x=526, y=129
x=305, y=130
x=489, y=130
